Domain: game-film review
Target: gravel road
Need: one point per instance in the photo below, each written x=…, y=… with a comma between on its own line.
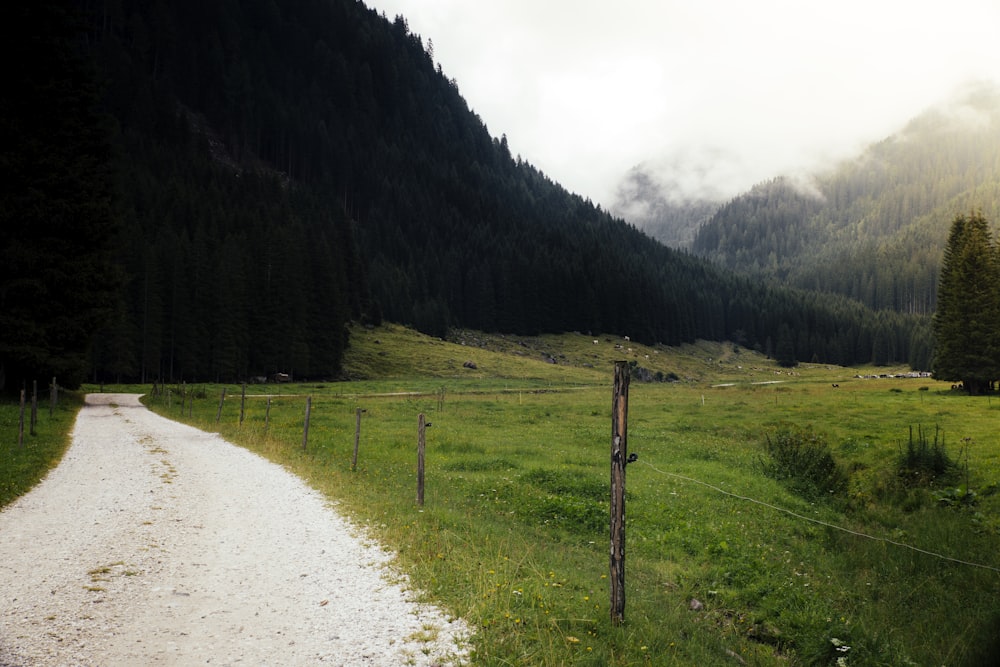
x=154, y=543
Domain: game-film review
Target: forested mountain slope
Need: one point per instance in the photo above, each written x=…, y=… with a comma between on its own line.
x=873, y=228
x=283, y=168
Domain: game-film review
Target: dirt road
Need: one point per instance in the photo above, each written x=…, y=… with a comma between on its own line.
x=154, y=543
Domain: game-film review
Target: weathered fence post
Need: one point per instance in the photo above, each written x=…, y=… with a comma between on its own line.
x=20, y=423
x=267, y=414
x=222, y=398
x=34, y=405
x=421, y=428
x=619, y=454
x=357, y=437
x=305, y=430
x=243, y=403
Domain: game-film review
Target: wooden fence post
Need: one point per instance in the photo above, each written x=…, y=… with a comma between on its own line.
x=34, y=405
x=357, y=437
x=267, y=414
x=243, y=403
x=20, y=423
x=222, y=398
x=53, y=396
x=421, y=428
x=305, y=430
x=619, y=453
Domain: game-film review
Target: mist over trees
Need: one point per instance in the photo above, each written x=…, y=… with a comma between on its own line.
x=873, y=228
x=280, y=170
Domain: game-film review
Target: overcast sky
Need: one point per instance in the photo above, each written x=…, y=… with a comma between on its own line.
x=715, y=94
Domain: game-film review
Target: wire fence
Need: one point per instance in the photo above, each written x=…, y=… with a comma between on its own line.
x=822, y=523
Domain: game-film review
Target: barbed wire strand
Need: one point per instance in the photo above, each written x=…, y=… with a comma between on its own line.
x=820, y=522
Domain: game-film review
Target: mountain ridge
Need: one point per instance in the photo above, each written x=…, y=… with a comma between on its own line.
x=872, y=227
x=383, y=196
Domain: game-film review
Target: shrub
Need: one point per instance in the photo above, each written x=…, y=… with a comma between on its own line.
x=924, y=461
x=802, y=459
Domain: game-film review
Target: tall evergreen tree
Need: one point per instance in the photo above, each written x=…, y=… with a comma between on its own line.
x=967, y=320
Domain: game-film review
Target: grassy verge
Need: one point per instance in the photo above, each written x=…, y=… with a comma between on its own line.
x=22, y=466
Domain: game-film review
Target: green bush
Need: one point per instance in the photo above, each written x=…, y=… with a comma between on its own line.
x=802, y=459
x=924, y=461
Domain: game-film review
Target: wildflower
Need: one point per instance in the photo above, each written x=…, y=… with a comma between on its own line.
x=572, y=640
x=841, y=646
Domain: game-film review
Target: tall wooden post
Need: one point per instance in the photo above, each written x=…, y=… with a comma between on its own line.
x=34, y=405
x=222, y=399
x=357, y=437
x=305, y=430
x=20, y=423
x=619, y=458
x=421, y=429
x=243, y=403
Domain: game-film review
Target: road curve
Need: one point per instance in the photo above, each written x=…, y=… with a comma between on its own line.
x=155, y=543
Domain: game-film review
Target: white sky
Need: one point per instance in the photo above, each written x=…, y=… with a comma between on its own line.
x=715, y=94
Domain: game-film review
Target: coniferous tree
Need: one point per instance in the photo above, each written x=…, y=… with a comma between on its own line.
x=968, y=307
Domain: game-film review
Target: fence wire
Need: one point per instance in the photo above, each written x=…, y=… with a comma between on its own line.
x=826, y=524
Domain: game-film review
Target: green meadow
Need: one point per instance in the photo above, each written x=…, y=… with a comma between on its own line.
x=774, y=516
x=23, y=464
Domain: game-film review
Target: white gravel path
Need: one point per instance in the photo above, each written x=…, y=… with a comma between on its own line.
x=154, y=543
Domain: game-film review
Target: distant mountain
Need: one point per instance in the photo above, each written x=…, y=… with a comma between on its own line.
x=873, y=228
x=284, y=168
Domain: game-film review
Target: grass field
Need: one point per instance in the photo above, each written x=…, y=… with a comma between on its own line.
x=24, y=463
x=820, y=550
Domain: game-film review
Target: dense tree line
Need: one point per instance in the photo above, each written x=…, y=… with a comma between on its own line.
x=283, y=168
x=232, y=274
x=58, y=277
